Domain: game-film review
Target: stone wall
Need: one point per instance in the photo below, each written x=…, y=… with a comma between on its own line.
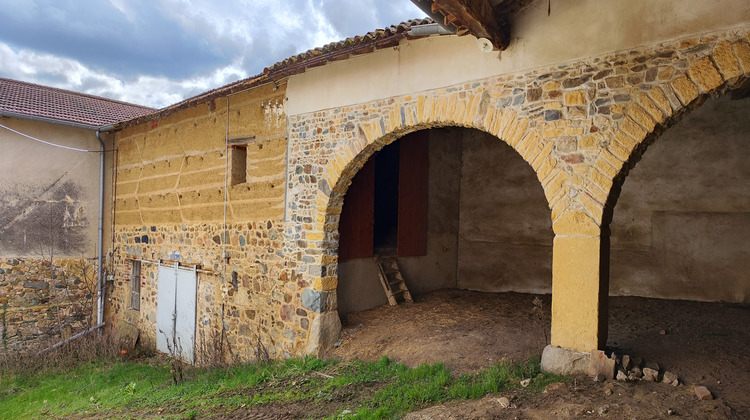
x=579, y=125
x=41, y=302
x=171, y=205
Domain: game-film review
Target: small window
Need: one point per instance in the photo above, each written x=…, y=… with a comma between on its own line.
x=238, y=155
x=135, y=285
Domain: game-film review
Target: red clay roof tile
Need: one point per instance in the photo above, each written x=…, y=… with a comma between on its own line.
x=32, y=100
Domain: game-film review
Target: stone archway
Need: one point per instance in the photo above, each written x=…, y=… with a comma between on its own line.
x=423, y=113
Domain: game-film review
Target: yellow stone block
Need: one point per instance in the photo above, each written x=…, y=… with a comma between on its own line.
x=519, y=132
x=625, y=140
x=742, y=52
x=705, y=75
x=555, y=184
x=588, y=142
x=632, y=129
x=649, y=106
x=573, y=131
x=531, y=151
x=550, y=86
x=539, y=159
x=562, y=195
x=471, y=110
x=577, y=97
x=315, y=236
x=421, y=108
x=620, y=152
x=325, y=283
x=560, y=207
x=605, y=165
x=575, y=222
x=639, y=115
x=550, y=134
x=553, y=105
x=598, y=194
x=726, y=61
x=602, y=181
x=546, y=168
x=660, y=100
x=685, y=90
x=576, y=293
x=594, y=208
x=507, y=119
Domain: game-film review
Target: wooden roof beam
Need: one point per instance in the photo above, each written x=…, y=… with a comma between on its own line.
x=478, y=17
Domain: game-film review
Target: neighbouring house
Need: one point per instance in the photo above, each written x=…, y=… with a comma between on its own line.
x=582, y=149
x=50, y=172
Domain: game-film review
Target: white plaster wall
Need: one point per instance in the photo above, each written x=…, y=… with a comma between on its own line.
x=575, y=29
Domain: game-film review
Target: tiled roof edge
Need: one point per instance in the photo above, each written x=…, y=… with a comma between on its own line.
x=381, y=38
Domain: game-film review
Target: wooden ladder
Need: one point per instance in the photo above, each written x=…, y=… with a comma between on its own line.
x=392, y=279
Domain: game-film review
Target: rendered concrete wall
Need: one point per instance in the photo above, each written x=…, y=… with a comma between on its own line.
x=359, y=287
x=49, y=210
x=49, y=197
x=505, y=239
x=574, y=30
x=681, y=227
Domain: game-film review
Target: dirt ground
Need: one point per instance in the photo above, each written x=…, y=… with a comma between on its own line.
x=703, y=343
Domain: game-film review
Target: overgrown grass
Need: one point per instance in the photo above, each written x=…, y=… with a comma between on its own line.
x=384, y=389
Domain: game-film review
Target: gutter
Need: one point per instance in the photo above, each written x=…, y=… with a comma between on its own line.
x=104, y=128
x=100, y=238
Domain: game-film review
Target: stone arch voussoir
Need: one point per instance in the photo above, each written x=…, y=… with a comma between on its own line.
x=725, y=68
x=419, y=113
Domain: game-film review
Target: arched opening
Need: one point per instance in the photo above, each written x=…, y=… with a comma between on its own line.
x=680, y=234
x=486, y=228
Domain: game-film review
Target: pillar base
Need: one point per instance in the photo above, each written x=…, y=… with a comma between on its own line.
x=561, y=361
x=324, y=332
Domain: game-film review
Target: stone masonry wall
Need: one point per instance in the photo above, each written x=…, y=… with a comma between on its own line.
x=580, y=126
x=41, y=302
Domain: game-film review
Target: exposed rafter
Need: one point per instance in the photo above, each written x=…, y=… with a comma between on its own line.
x=481, y=18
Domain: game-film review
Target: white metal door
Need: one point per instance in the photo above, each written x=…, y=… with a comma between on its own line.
x=175, y=312
x=185, y=319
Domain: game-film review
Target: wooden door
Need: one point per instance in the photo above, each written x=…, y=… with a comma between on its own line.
x=413, y=171
x=357, y=217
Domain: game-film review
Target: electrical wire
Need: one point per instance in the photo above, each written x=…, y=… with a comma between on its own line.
x=49, y=143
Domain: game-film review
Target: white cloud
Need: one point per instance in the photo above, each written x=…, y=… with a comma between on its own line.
x=159, y=52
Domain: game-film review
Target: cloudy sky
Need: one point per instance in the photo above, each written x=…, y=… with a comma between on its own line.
x=158, y=52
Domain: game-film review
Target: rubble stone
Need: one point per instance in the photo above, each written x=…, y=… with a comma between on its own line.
x=562, y=361
x=650, y=375
x=670, y=378
x=703, y=393
x=601, y=364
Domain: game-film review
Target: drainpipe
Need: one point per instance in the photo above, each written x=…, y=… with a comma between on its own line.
x=100, y=238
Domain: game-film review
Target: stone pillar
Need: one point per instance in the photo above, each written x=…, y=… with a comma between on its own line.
x=580, y=283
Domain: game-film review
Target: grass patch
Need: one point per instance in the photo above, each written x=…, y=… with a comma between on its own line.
x=140, y=388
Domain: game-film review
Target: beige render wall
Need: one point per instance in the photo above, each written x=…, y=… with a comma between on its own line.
x=55, y=194
x=682, y=221
x=574, y=30
x=49, y=209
